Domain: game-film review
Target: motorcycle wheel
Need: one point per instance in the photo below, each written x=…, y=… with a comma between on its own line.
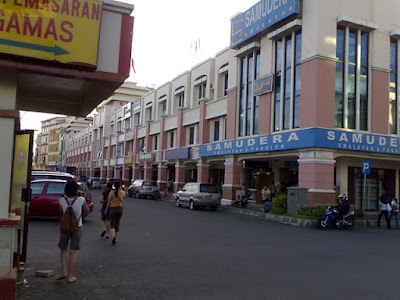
x=350, y=227
x=324, y=224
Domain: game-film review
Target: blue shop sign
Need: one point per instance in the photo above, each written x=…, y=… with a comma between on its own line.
x=306, y=138
x=260, y=17
x=183, y=153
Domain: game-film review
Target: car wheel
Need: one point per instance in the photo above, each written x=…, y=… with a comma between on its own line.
x=137, y=195
x=178, y=203
x=129, y=194
x=191, y=205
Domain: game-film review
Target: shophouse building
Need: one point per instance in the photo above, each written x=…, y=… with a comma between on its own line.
x=101, y=150
x=306, y=95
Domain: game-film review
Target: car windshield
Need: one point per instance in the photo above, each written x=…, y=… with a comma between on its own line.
x=149, y=183
x=208, y=188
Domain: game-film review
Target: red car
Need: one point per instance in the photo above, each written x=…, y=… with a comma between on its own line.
x=45, y=195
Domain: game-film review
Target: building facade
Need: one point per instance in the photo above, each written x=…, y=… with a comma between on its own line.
x=306, y=95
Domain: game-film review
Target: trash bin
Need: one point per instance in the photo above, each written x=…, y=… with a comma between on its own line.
x=295, y=197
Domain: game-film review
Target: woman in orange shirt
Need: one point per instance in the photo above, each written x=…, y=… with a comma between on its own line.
x=114, y=208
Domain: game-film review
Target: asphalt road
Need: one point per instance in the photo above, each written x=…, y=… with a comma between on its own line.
x=166, y=252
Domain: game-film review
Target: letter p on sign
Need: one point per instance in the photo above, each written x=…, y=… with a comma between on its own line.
x=366, y=167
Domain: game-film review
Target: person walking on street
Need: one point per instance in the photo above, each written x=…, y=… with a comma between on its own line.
x=395, y=212
x=114, y=208
x=105, y=219
x=79, y=207
x=384, y=208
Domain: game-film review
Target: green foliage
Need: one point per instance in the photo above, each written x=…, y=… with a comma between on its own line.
x=315, y=210
x=279, y=204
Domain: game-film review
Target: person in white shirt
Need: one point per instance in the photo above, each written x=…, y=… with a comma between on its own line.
x=395, y=211
x=74, y=240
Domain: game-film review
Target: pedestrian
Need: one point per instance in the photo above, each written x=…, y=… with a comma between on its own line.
x=114, y=208
x=105, y=219
x=265, y=194
x=79, y=207
x=384, y=208
x=395, y=212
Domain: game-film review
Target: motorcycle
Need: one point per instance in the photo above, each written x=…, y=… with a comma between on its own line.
x=331, y=219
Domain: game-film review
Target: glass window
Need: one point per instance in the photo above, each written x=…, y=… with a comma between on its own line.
x=216, y=131
x=37, y=188
x=287, y=82
x=191, y=135
x=55, y=188
x=248, y=103
x=351, y=83
x=172, y=139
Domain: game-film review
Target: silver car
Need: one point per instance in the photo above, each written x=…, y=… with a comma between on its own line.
x=144, y=188
x=195, y=194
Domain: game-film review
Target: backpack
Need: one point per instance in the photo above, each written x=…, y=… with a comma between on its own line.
x=69, y=222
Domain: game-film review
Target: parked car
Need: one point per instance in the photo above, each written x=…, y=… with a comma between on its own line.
x=45, y=195
x=94, y=183
x=144, y=188
x=112, y=180
x=53, y=175
x=195, y=195
x=83, y=178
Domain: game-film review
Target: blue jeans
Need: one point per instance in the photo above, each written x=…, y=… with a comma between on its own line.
x=396, y=217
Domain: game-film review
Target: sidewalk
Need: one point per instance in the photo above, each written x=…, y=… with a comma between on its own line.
x=254, y=211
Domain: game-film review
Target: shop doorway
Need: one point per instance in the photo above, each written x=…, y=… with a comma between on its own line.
x=377, y=183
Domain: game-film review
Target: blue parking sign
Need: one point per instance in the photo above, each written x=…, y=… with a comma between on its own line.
x=366, y=167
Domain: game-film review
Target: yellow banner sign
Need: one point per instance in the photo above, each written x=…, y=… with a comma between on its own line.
x=66, y=31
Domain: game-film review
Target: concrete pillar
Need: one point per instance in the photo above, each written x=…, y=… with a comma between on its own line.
x=162, y=177
x=316, y=172
x=9, y=119
x=147, y=170
x=103, y=174
x=233, y=170
x=135, y=171
x=203, y=171
x=125, y=175
x=179, y=175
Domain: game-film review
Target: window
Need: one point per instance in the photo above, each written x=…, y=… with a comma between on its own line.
x=37, y=188
x=200, y=85
x=393, y=84
x=112, y=128
x=155, y=142
x=120, y=151
x=162, y=105
x=223, y=81
x=216, y=131
x=172, y=139
x=191, y=135
x=351, y=84
x=127, y=123
x=137, y=118
x=119, y=126
x=142, y=144
x=248, y=104
x=179, y=98
x=287, y=82
x=55, y=188
x=149, y=111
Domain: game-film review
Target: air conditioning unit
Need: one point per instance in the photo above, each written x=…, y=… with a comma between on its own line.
x=211, y=85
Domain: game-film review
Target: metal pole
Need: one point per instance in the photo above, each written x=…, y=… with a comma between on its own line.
x=364, y=190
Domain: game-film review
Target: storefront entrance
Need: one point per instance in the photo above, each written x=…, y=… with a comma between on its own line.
x=377, y=183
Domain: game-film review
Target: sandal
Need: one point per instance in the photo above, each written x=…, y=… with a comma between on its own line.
x=61, y=276
x=73, y=279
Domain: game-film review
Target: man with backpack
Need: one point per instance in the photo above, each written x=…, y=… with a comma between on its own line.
x=72, y=208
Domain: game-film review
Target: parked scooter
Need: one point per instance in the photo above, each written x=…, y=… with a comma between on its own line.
x=331, y=219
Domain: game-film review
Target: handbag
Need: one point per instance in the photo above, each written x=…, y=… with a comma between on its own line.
x=389, y=208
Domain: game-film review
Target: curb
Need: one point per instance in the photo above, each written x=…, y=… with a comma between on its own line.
x=301, y=223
